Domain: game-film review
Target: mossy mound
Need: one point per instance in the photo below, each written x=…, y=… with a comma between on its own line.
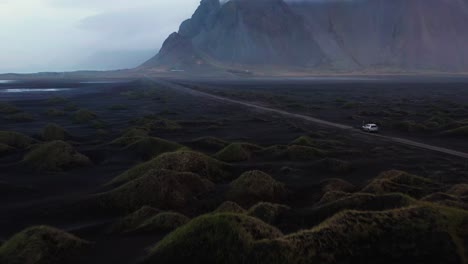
x=6, y=108
x=148, y=219
x=16, y=140
x=447, y=200
x=83, y=116
x=150, y=147
x=53, y=132
x=417, y=235
x=20, y=117
x=333, y=165
x=268, y=212
x=336, y=185
x=237, y=152
x=163, y=222
x=183, y=161
x=356, y=201
x=56, y=100
x=303, y=141
x=458, y=132
x=402, y=182
x=134, y=219
x=210, y=143
x=131, y=136
x=164, y=189
x=254, y=186
x=230, y=207
x=41, y=245
x=5, y=149
x=303, y=153
x=332, y=196
x=55, y=156
x=214, y=238
x=459, y=190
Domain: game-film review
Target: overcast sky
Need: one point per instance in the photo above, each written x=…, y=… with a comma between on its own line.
x=61, y=35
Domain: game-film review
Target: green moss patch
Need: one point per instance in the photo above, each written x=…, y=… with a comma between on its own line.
x=16, y=140
x=6, y=108
x=417, y=234
x=134, y=219
x=5, y=149
x=163, y=222
x=357, y=201
x=53, y=132
x=458, y=132
x=336, y=185
x=148, y=219
x=55, y=156
x=402, y=182
x=447, y=200
x=230, y=207
x=41, y=245
x=131, y=136
x=84, y=116
x=460, y=190
x=237, y=152
x=150, y=147
x=214, y=238
x=183, y=161
x=268, y=212
x=254, y=186
x=164, y=189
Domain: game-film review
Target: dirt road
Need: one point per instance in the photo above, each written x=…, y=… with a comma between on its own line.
x=310, y=119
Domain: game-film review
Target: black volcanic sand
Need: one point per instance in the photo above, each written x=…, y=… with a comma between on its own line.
x=284, y=163
x=431, y=109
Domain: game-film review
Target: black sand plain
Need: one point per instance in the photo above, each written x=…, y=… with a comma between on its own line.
x=237, y=185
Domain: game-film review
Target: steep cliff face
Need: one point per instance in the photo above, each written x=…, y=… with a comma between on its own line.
x=401, y=34
x=345, y=35
x=262, y=32
x=177, y=53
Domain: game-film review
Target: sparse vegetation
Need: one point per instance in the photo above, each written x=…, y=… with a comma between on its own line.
x=254, y=186
x=16, y=140
x=56, y=100
x=53, y=132
x=268, y=212
x=399, y=181
x=84, y=116
x=55, y=156
x=216, y=238
x=237, y=152
x=183, y=161
x=164, y=189
x=6, y=108
x=5, y=149
x=41, y=245
x=458, y=132
x=230, y=207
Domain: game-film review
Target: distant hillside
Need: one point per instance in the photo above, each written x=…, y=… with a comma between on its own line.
x=347, y=35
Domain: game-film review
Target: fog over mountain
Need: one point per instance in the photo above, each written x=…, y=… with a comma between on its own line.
x=336, y=35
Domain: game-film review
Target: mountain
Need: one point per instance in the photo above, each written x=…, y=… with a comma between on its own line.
x=322, y=35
